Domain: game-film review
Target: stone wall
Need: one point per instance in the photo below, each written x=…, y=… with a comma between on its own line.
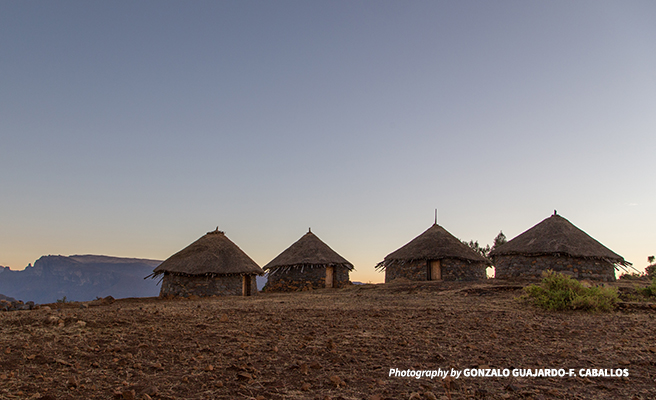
x=460, y=270
x=516, y=266
x=305, y=278
x=452, y=270
x=185, y=286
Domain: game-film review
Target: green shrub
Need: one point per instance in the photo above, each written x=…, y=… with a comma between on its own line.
x=559, y=292
x=649, y=291
x=651, y=271
x=632, y=276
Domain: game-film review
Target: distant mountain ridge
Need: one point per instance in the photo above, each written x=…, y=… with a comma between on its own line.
x=80, y=278
x=83, y=278
x=6, y=298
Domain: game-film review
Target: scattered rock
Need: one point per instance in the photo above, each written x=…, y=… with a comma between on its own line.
x=512, y=388
x=151, y=391
x=430, y=395
x=337, y=381
x=449, y=383
x=72, y=382
x=304, y=368
x=244, y=376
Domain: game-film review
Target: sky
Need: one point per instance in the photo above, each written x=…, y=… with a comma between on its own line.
x=133, y=128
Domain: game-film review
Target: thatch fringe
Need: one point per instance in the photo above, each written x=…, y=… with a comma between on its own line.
x=302, y=267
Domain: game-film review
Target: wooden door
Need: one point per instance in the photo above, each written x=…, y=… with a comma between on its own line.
x=329, y=277
x=246, y=286
x=435, y=270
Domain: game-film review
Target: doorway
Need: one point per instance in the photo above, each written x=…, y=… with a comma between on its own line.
x=246, y=286
x=329, y=277
x=435, y=270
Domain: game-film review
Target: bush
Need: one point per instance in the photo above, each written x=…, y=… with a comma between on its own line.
x=632, y=276
x=650, y=291
x=651, y=271
x=559, y=292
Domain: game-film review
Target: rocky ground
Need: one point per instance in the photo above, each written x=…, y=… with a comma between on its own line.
x=325, y=344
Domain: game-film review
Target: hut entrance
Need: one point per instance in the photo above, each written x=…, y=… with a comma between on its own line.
x=434, y=270
x=329, y=277
x=246, y=286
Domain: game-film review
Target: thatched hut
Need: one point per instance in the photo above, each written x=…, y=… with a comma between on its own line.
x=432, y=256
x=307, y=264
x=212, y=265
x=558, y=245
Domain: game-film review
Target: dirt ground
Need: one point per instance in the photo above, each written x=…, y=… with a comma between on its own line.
x=325, y=344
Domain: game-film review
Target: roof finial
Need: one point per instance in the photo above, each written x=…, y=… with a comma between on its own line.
x=436, y=216
x=215, y=231
x=310, y=230
x=555, y=212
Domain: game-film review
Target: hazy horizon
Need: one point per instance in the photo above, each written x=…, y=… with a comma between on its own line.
x=132, y=129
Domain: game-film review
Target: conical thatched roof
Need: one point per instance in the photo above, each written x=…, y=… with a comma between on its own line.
x=435, y=243
x=557, y=236
x=309, y=250
x=212, y=254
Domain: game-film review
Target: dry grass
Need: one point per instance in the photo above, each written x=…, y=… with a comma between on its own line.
x=337, y=344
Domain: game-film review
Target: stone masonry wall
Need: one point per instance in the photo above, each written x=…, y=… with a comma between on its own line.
x=306, y=278
x=459, y=270
x=185, y=286
x=509, y=267
x=412, y=270
x=452, y=270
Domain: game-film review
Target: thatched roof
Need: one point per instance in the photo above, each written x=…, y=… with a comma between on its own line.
x=557, y=236
x=308, y=251
x=435, y=243
x=212, y=254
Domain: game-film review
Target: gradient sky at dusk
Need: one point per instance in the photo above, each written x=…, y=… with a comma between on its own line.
x=133, y=128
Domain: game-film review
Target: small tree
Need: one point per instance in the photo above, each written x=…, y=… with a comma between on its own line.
x=484, y=251
x=651, y=269
x=499, y=240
